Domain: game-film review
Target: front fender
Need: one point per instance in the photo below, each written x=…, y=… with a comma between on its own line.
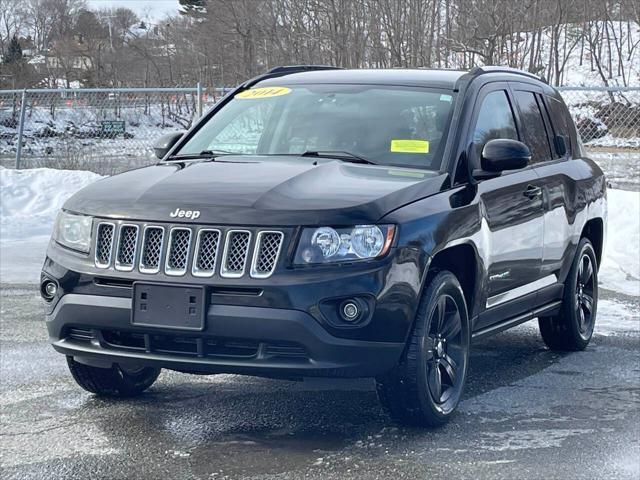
x=442, y=221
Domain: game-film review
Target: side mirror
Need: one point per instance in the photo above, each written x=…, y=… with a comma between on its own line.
x=165, y=143
x=502, y=154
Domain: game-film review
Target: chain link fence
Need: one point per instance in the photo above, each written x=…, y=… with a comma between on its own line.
x=103, y=130
x=110, y=130
x=608, y=119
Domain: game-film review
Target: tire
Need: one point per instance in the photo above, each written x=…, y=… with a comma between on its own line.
x=425, y=387
x=116, y=381
x=572, y=328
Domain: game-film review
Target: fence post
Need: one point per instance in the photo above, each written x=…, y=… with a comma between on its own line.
x=199, y=99
x=23, y=108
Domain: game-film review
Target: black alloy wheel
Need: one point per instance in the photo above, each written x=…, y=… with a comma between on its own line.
x=584, y=296
x=446, y=355
x=425, y=387
x=572, y=327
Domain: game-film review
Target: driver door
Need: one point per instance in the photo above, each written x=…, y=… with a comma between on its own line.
x=512, y=210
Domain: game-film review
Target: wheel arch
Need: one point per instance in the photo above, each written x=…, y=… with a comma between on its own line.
x=463, y=261
x=594, y=231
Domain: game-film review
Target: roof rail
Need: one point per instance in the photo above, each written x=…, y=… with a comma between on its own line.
x=500, y=69
x=286, y=70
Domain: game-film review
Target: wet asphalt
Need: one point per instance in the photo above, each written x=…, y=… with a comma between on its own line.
x=527, y=413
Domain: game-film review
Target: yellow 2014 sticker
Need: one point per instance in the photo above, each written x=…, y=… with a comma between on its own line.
x=410, y=146
x=263, y=92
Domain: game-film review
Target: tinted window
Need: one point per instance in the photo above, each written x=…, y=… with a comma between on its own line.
x=495, y=120
x=562, y=123
x=533, y=129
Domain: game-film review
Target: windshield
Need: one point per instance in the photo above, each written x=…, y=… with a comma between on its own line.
x=386, y=125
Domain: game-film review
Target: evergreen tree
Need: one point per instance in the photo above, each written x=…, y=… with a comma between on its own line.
x=14, y=52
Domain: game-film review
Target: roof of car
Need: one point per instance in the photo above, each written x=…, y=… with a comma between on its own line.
x=445, y=79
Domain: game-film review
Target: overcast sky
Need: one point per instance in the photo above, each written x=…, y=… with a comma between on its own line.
x=156, y=9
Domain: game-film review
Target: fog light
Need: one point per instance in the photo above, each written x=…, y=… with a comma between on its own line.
x=49, y=289
x=350, y=311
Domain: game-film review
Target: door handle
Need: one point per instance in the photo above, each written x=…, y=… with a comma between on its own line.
x=532, y=192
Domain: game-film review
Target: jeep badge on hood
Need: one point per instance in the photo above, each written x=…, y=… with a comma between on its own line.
x=179, y=213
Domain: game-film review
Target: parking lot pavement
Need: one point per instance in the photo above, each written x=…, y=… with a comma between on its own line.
x=527, y=413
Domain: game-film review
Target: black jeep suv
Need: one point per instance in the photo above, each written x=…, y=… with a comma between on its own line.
x=341, y=223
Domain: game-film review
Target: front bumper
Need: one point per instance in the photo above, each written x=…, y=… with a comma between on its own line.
x=286, y=325
x=236, y=339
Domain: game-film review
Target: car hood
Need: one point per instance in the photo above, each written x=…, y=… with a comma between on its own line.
x=242, y=190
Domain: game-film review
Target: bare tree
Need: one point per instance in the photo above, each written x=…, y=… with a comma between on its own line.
x=221, y=42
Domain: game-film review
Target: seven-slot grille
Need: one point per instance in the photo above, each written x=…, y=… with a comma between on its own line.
x=202, y=250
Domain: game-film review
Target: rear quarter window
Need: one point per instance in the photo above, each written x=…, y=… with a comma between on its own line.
x=561, y=120
x=533, y=128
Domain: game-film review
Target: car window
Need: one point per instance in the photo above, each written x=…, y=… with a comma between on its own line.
x=388, y=125
x=242, y=134
x=534, y=132
x=495, y=120
x=560, y=120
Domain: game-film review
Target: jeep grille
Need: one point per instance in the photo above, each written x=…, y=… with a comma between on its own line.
x=104, y=244
x=235, y=253
x=266, y=253
x=127, y=243
x=178, y=254
x=151, y=249
x=206, y=252
x=178, y=250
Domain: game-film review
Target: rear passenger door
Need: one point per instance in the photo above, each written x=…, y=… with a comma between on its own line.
x=512, y=209
x=548, y=161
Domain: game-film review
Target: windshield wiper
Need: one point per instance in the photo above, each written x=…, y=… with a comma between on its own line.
x=338, y=154
x=206, y=154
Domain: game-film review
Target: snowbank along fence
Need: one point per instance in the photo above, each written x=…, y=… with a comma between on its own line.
x=108, y=130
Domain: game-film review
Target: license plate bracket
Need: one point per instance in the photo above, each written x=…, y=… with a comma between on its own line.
x=168, y=306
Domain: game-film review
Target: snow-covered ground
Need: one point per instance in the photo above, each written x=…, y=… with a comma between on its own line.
x=29, y=203
x=579, y=72
x=620, y=270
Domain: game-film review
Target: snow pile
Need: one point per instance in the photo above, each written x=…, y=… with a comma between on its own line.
x=620, y=270
x=615, y=316
x=29, y=203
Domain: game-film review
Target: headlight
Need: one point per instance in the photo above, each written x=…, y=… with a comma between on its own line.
x=73, y=231
x=327, y=245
